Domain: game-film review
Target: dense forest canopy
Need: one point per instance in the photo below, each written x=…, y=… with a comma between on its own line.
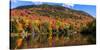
x=50, y=25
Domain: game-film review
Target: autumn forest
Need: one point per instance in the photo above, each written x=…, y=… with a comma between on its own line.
x=39, y=26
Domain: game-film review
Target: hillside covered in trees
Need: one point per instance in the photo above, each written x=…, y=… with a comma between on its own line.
x=36, y=26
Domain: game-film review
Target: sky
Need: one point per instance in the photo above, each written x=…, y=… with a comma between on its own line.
x=90, y=9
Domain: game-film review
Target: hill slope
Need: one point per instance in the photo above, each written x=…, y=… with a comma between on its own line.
x=51, y=25
x=53, y=11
